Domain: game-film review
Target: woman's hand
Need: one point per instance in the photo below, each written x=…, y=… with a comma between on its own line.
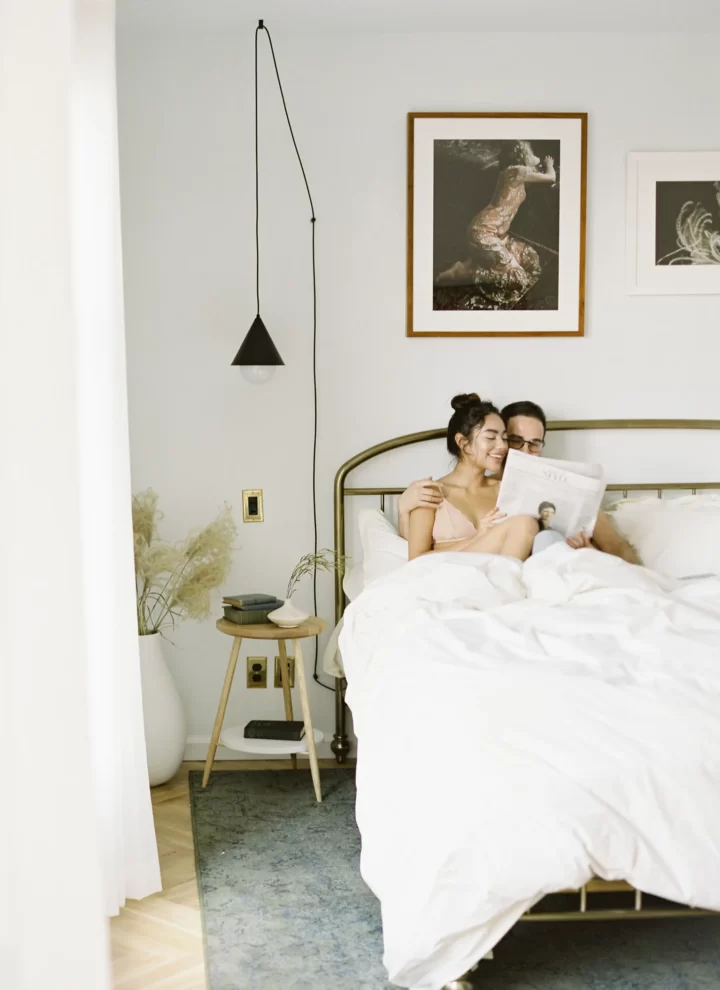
x=537, y=176
x=580, y=542
x=423, y=494
x=487, y=522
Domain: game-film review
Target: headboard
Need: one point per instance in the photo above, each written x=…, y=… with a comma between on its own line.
x=340, y=745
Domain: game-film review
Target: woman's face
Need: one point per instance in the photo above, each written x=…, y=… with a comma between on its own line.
x=547, y=514
x=488, y=446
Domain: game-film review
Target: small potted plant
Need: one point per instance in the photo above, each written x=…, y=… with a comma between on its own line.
x=288, y=616
x=173, y=582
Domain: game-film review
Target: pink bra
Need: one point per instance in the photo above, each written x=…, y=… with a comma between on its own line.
x=451, y=524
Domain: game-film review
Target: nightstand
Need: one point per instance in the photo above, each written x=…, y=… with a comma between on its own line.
x=233, y=737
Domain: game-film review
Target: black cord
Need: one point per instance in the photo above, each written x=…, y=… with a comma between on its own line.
x=261, y=27
x=257, y=179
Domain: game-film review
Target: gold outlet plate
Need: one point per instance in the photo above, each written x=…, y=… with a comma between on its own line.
x=253, y=510
x=291, y=671
x=257, y=672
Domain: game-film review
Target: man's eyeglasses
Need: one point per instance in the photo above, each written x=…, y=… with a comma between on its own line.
x=517, y=443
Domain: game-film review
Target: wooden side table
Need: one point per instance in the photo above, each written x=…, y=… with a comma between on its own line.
x=233, y=738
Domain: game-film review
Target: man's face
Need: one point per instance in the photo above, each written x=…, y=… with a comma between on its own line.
x=526, y=434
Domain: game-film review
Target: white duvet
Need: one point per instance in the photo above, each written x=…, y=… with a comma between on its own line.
x=522, y=727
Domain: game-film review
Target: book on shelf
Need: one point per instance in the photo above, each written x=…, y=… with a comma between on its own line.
x=260, y=606
x=275, y=729
x=246, y=617
x=245, y=601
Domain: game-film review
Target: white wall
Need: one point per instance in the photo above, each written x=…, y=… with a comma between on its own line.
x=200, y=434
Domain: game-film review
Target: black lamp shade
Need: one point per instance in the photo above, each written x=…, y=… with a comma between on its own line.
x=258, y=347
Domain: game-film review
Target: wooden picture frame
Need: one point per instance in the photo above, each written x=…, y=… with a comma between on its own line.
x=496, y=217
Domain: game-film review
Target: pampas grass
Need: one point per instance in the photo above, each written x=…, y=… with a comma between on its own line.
x=174, y=580
x=323, y=560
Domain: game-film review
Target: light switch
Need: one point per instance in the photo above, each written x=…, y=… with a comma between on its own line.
x=253, y=505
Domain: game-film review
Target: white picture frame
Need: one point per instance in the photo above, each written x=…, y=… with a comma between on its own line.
x=673, y=223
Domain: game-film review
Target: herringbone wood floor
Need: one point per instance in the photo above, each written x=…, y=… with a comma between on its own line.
x=157, y=943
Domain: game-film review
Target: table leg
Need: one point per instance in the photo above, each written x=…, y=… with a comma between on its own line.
x=287, y=697
x=221, y=708
x=305, y=704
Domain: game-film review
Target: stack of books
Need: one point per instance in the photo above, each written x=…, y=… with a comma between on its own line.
x=249, y=609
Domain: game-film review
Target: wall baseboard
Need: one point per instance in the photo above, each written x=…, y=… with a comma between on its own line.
x=196, y=748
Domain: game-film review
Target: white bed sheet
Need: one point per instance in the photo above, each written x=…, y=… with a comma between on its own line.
x=557, y=719
x=331, y=659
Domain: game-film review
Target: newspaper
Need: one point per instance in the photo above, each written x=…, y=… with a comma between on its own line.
x=562, y=495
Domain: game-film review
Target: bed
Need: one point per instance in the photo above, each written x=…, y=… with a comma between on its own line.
x=595, y=862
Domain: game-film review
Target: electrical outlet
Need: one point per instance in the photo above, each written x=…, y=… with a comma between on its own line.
x=253, y=505
x=291, y=671
x=257, y=672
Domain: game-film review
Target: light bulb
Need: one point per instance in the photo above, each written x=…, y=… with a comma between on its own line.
x=257, y=374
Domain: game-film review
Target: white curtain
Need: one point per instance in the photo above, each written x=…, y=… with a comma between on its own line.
x=76, y=834
x=129, y=850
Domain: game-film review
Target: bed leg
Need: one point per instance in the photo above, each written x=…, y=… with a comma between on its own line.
x=340, y=744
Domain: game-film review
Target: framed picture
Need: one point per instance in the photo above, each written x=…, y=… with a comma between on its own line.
x=496, y=224
x=673, y=222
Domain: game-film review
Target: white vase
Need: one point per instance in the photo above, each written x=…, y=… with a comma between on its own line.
x=163, y=712
x=288, y=615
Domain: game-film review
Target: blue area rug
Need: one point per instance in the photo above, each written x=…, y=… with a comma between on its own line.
x=285, y=907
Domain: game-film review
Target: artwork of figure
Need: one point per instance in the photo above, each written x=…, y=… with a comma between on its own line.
x=505, y=247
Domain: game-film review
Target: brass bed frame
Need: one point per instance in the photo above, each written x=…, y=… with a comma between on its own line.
x=340, y=744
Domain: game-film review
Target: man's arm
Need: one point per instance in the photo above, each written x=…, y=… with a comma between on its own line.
x=607, y=539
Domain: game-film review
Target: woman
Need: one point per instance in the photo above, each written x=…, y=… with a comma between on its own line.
x=503, y=266
x=466, y=519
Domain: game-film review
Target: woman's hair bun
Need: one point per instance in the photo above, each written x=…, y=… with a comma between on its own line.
x=465, y=401
x=470, y=411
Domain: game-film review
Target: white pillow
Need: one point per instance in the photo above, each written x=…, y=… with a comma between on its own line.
x=675, y=536
x=353, y=582
x=384, y=551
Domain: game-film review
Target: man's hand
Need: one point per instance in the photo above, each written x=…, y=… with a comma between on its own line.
x=579, y=542
x=423, y=494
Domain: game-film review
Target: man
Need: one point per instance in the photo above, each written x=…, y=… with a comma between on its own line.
x=526, y=425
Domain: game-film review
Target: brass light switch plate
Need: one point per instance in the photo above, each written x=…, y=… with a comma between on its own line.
x=253, y=505
x=257, y=672
x=291, y=672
